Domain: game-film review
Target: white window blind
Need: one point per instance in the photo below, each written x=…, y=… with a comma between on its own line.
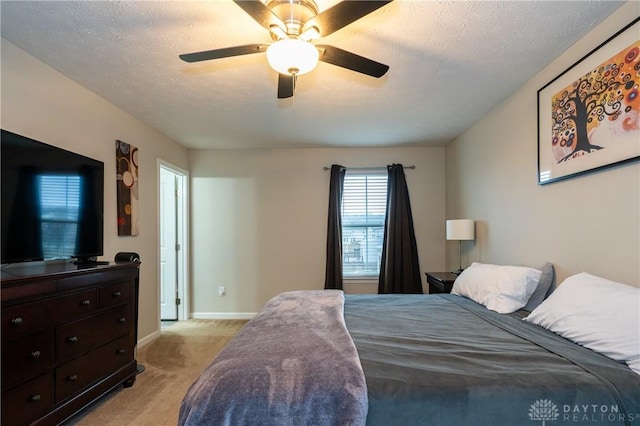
x=60, y=211
x=364, y=202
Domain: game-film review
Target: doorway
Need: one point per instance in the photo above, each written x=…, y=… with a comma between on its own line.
x=173, y=195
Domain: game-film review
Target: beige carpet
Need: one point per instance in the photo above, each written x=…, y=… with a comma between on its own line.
x=172, y=362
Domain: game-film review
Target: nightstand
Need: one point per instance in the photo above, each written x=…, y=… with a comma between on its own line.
x=440, y=282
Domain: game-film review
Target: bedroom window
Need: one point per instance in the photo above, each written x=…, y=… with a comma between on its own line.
x=364, y=203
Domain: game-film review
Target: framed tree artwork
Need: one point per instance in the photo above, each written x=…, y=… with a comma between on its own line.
x=589, y=116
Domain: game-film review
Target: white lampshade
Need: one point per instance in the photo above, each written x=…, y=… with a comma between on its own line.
x=460, y=229
x=292, y=56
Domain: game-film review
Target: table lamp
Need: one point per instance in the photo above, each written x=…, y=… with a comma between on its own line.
x=460, y=230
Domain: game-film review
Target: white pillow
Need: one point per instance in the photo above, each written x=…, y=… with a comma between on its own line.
x=596, y=313
x=503, y=289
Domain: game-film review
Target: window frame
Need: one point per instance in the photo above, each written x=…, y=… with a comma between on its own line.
x=379, y=209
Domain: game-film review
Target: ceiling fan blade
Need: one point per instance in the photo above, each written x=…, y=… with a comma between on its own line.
x=286, y=85
x=224, y=53
x=342, y=14
x=344, y=59
x=260, y=13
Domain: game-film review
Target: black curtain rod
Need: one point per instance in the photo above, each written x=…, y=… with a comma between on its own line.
x=369, y=168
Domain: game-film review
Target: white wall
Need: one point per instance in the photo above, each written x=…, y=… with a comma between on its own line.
x=40, y=103
x=259, y=220
x=589, y=223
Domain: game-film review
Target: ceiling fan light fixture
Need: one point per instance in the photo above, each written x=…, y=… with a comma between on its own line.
x=277, y=33
x=310, y=33
x=292, y=56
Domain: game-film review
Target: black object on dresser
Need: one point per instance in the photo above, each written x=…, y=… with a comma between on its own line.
x=440, y=282
x=68, y=337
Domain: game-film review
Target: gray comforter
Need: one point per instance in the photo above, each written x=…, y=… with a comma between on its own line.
x=293, y=364
x=444, y=360
x=433, y=360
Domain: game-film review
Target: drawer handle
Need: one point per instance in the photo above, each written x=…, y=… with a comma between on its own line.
x=72, y=378
x=117, y=294
x=16, y=321
x=86, y=302
x=122, y=320
x=72, y=339
x=35, y=354
x=121, y=351
x=35, y=398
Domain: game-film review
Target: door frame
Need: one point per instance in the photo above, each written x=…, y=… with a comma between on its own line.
x=182, y=238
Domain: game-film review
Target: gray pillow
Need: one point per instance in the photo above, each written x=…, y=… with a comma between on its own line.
x=545, y=287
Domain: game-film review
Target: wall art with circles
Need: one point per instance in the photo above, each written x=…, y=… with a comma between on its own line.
x=127, y=188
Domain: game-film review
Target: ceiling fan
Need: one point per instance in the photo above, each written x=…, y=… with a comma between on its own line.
x=293, y=25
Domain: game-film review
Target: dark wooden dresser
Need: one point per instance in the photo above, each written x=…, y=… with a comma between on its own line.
x=68, y=337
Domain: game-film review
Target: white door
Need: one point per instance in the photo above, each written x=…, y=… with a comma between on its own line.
x=168, y=245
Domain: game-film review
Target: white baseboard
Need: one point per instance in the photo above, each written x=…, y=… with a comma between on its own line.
x=148, y=339
x=201, y=315
x=223, y=315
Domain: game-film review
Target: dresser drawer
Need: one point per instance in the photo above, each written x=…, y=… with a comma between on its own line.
x=93, y=278
x=26, y=318
x=75, y=305
x=82, y=372
x=27, y=402
x=38, y=288
x=116, y=294
x=78, y=337
x=26, y=357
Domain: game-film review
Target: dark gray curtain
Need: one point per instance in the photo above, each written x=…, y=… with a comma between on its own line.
x=333, y=274
x=399, y=268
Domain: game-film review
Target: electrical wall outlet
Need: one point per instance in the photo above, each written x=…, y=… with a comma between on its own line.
x=222, y=291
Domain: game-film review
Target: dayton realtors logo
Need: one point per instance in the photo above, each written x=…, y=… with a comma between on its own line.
x=546, y=410
x=543, y=409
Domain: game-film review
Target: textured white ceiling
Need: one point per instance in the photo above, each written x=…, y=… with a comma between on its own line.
x=450, y=64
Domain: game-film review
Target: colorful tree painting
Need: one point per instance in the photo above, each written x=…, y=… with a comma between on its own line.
x=597, y=107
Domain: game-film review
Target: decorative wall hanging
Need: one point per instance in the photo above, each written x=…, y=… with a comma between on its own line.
x=589, y=116
x=127, y=188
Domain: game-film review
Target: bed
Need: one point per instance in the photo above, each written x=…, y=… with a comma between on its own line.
x=325, y=358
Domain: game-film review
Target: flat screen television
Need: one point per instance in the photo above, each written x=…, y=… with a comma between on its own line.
x=52, y=202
